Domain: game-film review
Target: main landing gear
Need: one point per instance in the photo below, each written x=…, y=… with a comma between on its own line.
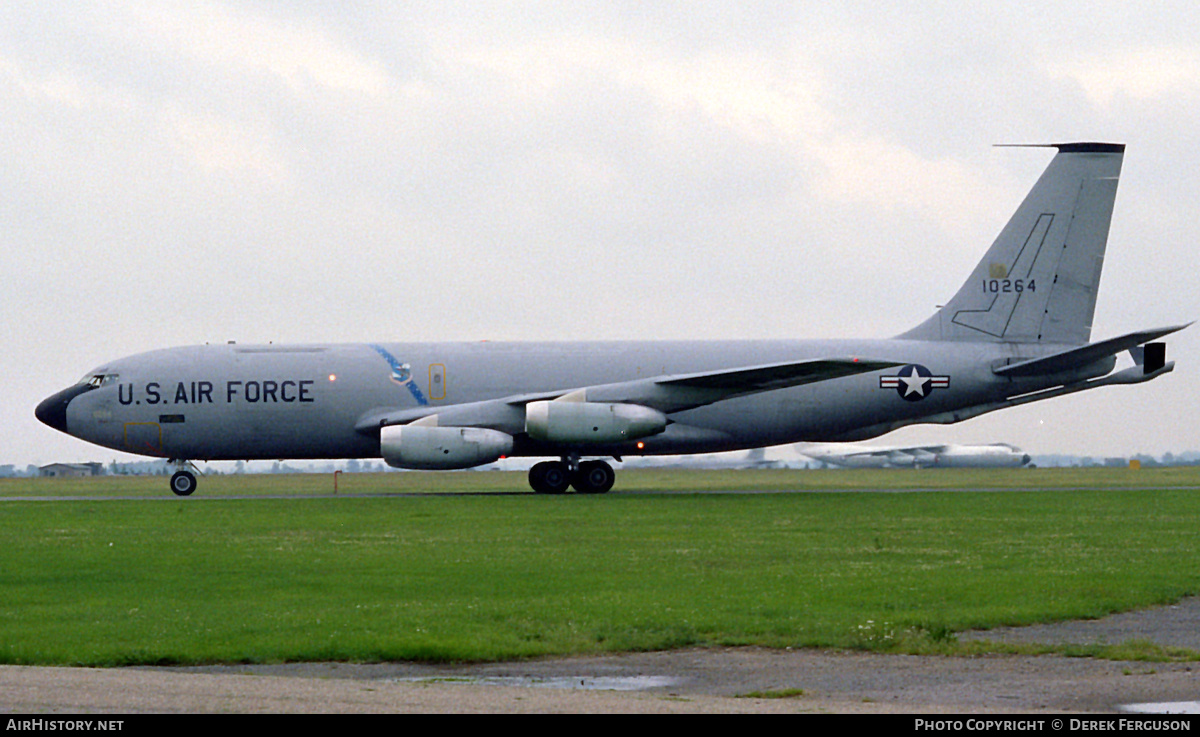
x=588, y=477
x=183, y=482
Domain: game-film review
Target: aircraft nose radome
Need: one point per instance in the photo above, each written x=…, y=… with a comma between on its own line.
x=53, y=409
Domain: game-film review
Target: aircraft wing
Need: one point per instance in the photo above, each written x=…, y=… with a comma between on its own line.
x=896, y=454
x=865, y=456
x=775, y=376
x=923, y=450
x=1085, y=354
x=667, y=393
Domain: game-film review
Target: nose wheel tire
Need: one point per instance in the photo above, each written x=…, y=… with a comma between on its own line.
x=183, y=483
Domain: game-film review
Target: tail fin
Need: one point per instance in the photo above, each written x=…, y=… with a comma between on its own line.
x=1038, y=281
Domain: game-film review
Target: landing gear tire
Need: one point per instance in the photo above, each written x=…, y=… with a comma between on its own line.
x=549, y=477
x=593, y=477
x=183, y=483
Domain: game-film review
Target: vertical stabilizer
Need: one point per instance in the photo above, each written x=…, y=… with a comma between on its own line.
x=1038, y=282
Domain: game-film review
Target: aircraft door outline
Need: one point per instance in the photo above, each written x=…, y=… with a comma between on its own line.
x=143, y=437
x=437, y=381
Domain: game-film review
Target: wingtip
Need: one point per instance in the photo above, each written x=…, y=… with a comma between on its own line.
x=1167, y=330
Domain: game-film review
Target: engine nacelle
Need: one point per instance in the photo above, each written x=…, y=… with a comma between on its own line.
x=591, y=422
x=432, y=448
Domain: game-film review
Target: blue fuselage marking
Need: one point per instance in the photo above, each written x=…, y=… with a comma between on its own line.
x=401, y=374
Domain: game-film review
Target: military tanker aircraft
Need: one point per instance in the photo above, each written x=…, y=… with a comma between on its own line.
x=1017, y=331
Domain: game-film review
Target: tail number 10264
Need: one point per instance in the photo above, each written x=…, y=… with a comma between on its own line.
x=1008, y=286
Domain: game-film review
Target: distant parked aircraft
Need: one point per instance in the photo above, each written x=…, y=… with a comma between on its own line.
x=860, y=455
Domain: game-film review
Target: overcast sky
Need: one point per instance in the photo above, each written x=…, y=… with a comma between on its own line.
x=180, y=173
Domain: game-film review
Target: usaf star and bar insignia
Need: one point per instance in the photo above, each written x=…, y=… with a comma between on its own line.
x=914, y=382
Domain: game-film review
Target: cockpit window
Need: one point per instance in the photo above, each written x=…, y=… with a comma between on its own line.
x=99, y=380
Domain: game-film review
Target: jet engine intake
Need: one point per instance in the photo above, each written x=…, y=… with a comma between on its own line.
x=591, y=422
x=434, y=448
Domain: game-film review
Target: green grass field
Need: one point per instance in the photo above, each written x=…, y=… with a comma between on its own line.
x=657, y=480
x=369, y=576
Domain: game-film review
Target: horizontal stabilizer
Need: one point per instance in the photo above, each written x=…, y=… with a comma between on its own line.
x=1075, y=357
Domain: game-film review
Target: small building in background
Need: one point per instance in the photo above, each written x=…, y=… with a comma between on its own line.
x=71, y=470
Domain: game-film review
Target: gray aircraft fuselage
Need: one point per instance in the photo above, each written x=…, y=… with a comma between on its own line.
x=234, y=402
x=1017, y=331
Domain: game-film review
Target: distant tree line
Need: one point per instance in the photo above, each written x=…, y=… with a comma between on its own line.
x=160, y=467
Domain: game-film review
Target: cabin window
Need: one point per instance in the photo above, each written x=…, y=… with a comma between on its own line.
x=99, y=380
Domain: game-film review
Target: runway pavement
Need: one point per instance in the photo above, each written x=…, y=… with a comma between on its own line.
x=731, y=680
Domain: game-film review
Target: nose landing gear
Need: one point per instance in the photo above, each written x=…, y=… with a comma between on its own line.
x=183, y=481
